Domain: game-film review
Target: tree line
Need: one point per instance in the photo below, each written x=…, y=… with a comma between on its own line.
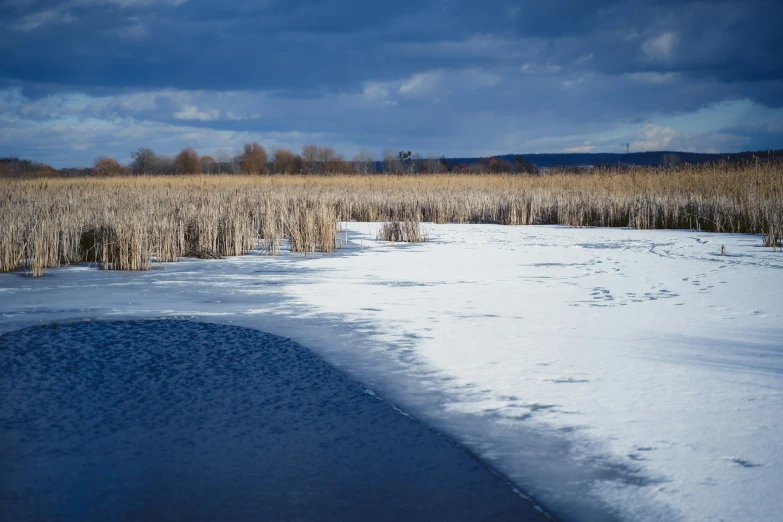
x=254, y=159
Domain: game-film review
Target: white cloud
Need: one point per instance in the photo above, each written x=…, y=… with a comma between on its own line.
x=654, y=77
x=585, y=58
x=32, y=21
x=580, y=148
x=71, y=129
x=62, y=147
x=660, y=47
x=652, y=137
x=378, y=91
x=422, y=83
x=576, y=81
x=232, y=116
x=191, y=112
x=140, y=101
x=540, y=68
x=61, y=14
x=129, y=3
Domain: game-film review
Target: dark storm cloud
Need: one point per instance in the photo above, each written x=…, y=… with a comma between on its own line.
x=258, y=45
x=290, y=45
x=455, y=76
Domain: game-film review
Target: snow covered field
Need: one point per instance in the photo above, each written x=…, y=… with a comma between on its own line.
x=611, y=374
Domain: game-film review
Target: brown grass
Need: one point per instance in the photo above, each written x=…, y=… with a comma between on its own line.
x=123, y=223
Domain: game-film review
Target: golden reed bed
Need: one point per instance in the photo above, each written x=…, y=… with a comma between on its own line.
x=124, y=222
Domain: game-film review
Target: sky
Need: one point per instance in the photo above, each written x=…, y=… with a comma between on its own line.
x=86, y=78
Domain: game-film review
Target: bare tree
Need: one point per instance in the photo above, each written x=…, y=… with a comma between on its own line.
x=235, y=164
x=187, y=162
x=144, y=161
x=163, y=165
x=670, y=160
x=286, y=162
x=208, y=165
x=415, y=164
x=254, y=159
x=328, y=161
x=324, y=155
x=364, y=162
x=391, y=162
x=108, y=166
x=338, y=165
x=223, y=160
x=433, y=165
x=322, y=160
x=310, y=158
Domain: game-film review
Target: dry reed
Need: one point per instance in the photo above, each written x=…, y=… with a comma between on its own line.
x=125, y=223
x=408, y=231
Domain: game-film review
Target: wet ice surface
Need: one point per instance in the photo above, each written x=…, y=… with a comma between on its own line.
x=611, y=374
x=177, y=420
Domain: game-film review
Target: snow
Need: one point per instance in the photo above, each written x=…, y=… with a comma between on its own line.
x=611, y=374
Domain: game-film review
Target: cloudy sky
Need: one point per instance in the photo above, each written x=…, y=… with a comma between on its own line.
x=83, y=78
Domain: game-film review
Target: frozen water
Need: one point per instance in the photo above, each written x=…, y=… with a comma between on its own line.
x=611, y=374
x=176, y=420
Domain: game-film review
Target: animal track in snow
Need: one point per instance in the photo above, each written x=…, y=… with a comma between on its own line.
x=743, y=462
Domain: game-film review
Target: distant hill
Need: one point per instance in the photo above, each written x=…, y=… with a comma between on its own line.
x=634, y=158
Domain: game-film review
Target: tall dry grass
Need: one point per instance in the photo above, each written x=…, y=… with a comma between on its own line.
x=123, y=223
x=408, y=231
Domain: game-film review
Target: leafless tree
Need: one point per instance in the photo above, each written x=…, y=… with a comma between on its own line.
x=235, y=163
x=328, y=161
x=364, y=162
x=164, y=165
x=208, y=165
x=391, y=163
x=254, y=159
x=285, y=161
x=187, y=162
x=433, y=165
x=671, y=160
x=144, y=161
x=310, y=158
x=223, y=159
x=108, y=167
x=415, y=164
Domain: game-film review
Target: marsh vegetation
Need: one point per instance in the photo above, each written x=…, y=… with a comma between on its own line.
x=125, y=223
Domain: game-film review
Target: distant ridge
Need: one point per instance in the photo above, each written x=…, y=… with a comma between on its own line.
x=634, y=158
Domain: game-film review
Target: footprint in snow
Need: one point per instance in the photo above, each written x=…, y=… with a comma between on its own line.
x=540, y=407
x=743, y=463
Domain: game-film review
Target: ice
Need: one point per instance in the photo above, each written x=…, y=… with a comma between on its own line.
x=609, y=373
x=183, y=420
